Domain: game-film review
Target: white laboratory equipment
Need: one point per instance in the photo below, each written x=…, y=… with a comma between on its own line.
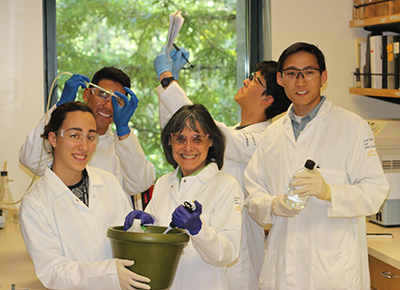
x=387, y=142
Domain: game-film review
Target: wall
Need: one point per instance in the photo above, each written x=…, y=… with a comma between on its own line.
x=326, y=24
x=21, y=83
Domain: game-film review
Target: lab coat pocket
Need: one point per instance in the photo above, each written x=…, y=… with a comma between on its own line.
x=330, y=270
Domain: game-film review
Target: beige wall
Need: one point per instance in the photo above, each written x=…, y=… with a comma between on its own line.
x=21, y=82
x=326, y=24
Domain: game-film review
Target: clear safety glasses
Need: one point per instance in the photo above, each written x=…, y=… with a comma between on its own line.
x=76, y=135
x=106, y=96
x=254, y=75
x=308, y=73
x=195, y=140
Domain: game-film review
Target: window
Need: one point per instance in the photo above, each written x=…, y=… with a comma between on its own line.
x=129, y=34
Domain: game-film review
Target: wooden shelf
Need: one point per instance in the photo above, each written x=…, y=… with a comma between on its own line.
x=380, y=23
x=375, y=92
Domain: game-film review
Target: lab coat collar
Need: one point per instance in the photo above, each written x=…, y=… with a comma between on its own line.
x=323, y=112
x=59, y=188
x=204, y=175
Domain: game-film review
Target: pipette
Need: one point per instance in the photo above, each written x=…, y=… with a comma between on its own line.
x=184, y=57
x=189, y=207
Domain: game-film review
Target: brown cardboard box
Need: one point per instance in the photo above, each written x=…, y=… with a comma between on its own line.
x=358, y=12
x=370, y=10
x=379, y=9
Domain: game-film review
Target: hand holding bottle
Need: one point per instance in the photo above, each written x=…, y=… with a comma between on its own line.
x=312, y=184
x=280, y=208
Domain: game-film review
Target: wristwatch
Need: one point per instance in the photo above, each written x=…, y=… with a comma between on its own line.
x=166, y=81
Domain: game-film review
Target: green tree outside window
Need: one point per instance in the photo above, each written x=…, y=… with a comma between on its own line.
x=128, y=34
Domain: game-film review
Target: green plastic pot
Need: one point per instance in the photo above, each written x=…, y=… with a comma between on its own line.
x=156, y=255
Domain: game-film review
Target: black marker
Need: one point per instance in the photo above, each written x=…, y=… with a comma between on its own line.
x=178, y=49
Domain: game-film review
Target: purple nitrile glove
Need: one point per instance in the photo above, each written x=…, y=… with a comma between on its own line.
x=190, y=221
x=137, y=214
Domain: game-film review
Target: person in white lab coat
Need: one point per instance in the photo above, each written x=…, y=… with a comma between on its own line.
x=195, y=146
x=323, y=246
x=260, y=100
x=66, y=213
x=119, y=153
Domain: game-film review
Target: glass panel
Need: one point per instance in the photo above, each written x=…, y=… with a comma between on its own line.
x=129, y=34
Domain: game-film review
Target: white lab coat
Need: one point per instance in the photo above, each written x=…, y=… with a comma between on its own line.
x=125, y=159
x=240, y=147
x=324, y=247
x=203, y=261
x=67, y=240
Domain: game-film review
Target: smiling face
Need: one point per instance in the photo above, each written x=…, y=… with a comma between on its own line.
x=102, y=109
x=190, y=157
x=71, y=157
x=305, y=94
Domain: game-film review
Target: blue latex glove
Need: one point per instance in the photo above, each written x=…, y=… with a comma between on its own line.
x=137, y=214
x=71, y=88
x=178, y=61
x=184, y=219
x=123, y=114
x=163, y=62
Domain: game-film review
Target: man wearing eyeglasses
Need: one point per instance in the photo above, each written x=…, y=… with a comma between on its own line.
x=322, y=246
x=260, y=99
x=119, y=152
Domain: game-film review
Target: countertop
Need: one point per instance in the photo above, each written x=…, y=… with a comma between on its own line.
x=15, y=265
x=384, y=249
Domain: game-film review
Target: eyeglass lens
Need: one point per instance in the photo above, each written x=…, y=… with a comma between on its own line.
x=307, y=73
x=105, y=96
x=251, y=77
x=77, y=135
x=195, y=139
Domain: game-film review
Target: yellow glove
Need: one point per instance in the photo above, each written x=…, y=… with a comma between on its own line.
x=314, y=184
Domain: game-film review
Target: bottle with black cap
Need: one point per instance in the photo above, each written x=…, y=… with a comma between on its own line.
x=293, y=200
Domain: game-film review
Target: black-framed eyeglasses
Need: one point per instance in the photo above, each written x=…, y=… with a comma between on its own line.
x=251, y=77
x=308, y=73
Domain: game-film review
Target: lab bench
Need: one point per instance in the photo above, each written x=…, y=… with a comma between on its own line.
x=16, y=266
x=384, y=258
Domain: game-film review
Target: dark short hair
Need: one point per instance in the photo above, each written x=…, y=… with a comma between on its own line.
x=281, y=103
x=112, y=74
x=193, y=113
x=302, y=46
x=58, y=117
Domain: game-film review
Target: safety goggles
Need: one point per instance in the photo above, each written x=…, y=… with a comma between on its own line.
x=254, y=75
x=195, y=140
x=106, y=97
x=76, y=135
x=308, y=73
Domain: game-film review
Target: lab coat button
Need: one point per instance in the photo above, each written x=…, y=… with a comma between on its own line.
x=172, y=186
x=93, y=196
x=184, y=180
